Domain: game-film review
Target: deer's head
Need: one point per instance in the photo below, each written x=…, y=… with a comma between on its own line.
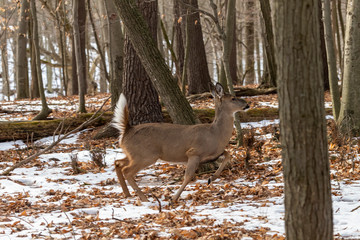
x=224, y=101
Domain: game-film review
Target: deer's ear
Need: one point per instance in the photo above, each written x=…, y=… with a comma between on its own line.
x=219, y=89
x=212, y=90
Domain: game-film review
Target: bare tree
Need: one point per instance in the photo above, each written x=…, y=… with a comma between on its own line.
x=45, y=110
x=249, y=42
x=79, y=43
x=154, y=64
x=22, y=78
x=349, y=118
x=331, y=60
x=143, y=100
x=198, y=76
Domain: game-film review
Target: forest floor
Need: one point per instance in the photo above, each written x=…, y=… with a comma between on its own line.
x=46, y=199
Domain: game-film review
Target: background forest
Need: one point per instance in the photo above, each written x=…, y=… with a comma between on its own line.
x=293, y=61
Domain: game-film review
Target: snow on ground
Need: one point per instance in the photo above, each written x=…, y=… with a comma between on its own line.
x=47, y=200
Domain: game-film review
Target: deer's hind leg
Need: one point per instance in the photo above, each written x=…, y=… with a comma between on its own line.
x=119, y=165
x=130, y=171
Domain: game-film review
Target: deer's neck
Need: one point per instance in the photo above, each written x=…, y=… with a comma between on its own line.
x=223, y=123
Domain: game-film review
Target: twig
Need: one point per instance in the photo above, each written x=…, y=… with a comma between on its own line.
x=32, y=157
x=47, y=226
x=118, y=219
x=157, y=199
x=23, y=220
x=72, y=228
x=355, y=209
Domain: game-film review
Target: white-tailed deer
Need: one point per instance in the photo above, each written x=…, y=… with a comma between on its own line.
x=144, y=144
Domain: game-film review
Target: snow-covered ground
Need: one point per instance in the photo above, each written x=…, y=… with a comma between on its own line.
x=46, y=200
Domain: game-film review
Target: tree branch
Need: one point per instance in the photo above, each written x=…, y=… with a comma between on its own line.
x=32, y=157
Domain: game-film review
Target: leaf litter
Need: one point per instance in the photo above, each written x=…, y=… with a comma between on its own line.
x=47, y=200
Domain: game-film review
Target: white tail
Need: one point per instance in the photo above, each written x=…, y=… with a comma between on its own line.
x=192, y=144
x=121, y=116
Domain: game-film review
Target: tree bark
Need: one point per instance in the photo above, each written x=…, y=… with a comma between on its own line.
x=323, y=48
x=5, y=66
x=155, y=66
x=34, y=91
x=331, y=60
x=116, y=45
x=79, y=40
x=349, y=118
x=45, y=110
x=250, y=43
x=22, y=77
x=179, y=44
x=198, y=76
x=142, y=98
x=269, y=43
x=308, y=206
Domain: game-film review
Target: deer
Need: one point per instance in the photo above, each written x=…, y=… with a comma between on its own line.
x=147, y=143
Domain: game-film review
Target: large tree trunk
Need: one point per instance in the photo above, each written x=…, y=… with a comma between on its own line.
x=349, y=118
x=45, y=110
x=142, y=98
x=198, y=76
x=79, y=40
x=154, y=64
x=22, y=77
x=331, y=60
x=308, y=206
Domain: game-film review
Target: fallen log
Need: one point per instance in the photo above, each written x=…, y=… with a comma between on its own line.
x=22, y=130
x=239, y=92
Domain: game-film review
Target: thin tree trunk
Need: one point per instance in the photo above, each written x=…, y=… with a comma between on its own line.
x=179, y=44
x=198, y=76
x=323, y=48
x=22, y=78
x=331, y=60
x=74, y=84
x=62, y=43
x=80, y=51
x=268, y=43
x=116, y=48
x=97, y=41
x=349, y=118
x=250, y=43
x=45, y=110
x=34, y=91
x=233, y=53
x=4, y=64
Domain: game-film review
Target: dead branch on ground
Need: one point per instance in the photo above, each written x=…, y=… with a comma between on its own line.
x=34, y=156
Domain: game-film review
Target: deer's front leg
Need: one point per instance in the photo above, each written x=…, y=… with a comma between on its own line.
x=192, y=165
x=227, y=157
